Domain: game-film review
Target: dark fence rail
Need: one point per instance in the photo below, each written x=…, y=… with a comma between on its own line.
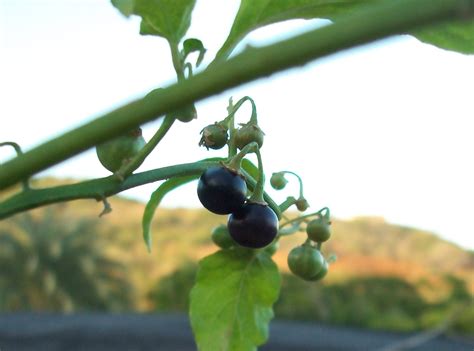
x=139, y=332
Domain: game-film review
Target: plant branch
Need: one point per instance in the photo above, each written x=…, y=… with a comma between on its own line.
x=99, y=189
x=388, y=18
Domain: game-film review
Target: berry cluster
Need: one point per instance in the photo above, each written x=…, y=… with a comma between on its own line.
x=306, y=261
x=252, y=223
x=224, y=191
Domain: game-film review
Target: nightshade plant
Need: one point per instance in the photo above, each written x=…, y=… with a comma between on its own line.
x=231, y=303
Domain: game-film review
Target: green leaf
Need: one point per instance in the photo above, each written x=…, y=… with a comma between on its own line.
x=155, y=201
x=455, y=36
x=253, y=14
x=193, y=45
x=124, y=6
x=231, y=302
x=169, y=19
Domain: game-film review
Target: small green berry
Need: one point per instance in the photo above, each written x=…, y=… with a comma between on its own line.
x=301, y=204
x=221, y=237
x=318, y=230
x=305, y=261
x=278, y=181
x=214, y=136
x=247, y=134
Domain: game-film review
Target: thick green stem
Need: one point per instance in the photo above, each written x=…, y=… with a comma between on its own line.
x=100, y=189
x=388, y=18
x=128, y=169
x=97, y=189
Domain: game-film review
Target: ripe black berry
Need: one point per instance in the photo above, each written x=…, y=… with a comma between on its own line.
x=253, y=225
x=221, y=190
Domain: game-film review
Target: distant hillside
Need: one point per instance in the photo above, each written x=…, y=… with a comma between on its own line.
x=371, y=254
x=364, y=246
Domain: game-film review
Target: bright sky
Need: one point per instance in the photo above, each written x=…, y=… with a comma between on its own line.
x=382, y=130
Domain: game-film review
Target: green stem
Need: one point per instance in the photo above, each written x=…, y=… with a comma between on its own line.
x=230, y=120
x=189, y=67
x=97, y=189
x=25, y=182
x=177, y=61
x=302, y=218
x=364, y=26
x=299, y=180
x=252, y=183
x=290, y=201
x=239, y=103
x=101, y=188
x=257, y=195
x=236, y=161
x=128, y=169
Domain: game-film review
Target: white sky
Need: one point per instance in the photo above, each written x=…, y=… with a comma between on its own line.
x=382, y=130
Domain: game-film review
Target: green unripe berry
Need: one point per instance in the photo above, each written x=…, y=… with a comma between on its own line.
x=247, y=134
x=305, y=261
x=221, y=237
x=322, y=273
x=318, y=230
x=278, y=181
x=214, y=136
x=185, y=114
x=117, y=152
x=301, y=204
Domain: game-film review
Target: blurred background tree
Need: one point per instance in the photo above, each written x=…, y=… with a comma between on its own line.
x=65, y=258
x=54, y=262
